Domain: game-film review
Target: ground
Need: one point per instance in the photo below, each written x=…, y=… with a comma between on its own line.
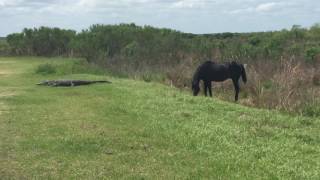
x=133, y=130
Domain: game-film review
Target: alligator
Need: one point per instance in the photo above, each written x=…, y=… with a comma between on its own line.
x=69, y=83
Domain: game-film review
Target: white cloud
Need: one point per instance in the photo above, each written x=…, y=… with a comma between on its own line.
x=198, y=16
x=4, y=3
x=266, y=6
x=189, y=4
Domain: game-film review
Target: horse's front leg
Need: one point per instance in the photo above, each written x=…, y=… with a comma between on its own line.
x=236, y=88
x=205, y=88
x=209, y=88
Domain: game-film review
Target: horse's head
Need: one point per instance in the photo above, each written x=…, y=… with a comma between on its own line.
x=195, y=88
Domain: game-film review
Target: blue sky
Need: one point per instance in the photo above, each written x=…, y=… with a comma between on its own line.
x=194, y=16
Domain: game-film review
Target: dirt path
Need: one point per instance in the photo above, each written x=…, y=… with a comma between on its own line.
x=6, y=162
x=3, y=107
x=5, y=72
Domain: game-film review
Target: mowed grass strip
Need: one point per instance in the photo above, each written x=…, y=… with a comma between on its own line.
x=133, y=130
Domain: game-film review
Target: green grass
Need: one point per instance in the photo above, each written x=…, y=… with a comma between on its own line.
x=137, y=130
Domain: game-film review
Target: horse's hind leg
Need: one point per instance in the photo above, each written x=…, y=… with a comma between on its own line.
x=236, y=88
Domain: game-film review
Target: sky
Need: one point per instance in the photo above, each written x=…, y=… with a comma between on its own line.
x=191, y=16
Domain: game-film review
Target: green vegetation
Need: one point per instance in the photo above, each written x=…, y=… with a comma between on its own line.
x=4, y=47
x=41, y=42
x=135, y=44
x=46, y=69
x=170, y=57
x=70, y=66
x=134, y=130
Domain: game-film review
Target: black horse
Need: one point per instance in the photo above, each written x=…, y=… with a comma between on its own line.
x=210, y=71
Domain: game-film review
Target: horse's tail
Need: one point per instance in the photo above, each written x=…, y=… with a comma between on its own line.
x=243, y=73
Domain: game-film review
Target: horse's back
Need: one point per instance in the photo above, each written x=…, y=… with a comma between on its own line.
x=213, y=71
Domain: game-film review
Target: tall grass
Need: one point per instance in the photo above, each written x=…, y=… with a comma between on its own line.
x=288, y=84
x=71, y=66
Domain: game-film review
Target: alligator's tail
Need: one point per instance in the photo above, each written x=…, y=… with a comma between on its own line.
x=43, y=83
x=101, y=82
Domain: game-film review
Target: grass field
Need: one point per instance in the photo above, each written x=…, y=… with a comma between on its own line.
x=137, y=130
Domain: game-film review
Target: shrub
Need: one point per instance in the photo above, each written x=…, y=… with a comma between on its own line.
x=83, y=66
x=288, y=85
x=311, y=54
x=46, y=69
x=147, y=77
x=316, y=79
x=312, y=110
x=4, y=48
